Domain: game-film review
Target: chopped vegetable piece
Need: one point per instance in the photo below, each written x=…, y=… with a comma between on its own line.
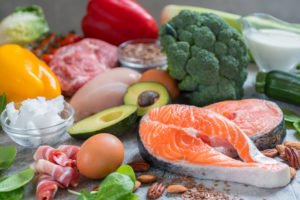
x=23, y=26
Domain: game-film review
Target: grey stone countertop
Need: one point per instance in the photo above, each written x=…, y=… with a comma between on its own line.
x=234, y=190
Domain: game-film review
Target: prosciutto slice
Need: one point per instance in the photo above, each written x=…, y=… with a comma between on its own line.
x=46, y=188
x=56, y=169
x=54, y=155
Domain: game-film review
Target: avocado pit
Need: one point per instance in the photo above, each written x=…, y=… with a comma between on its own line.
x=148, y=98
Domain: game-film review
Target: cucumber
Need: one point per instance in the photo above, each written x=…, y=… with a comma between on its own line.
x=282, y=86
x=116, y=120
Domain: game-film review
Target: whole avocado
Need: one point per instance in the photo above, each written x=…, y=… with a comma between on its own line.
x=207, y=56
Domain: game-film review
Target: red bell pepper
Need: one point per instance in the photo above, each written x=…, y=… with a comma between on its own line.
x=116, y=21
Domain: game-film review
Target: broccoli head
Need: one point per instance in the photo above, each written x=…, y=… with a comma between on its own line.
x=207, y=56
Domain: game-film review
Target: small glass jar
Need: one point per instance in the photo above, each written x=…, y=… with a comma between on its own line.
x=141, y=54
x=32, y=138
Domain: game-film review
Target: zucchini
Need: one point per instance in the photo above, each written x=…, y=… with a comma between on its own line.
x=116, y=120
x=282, y=86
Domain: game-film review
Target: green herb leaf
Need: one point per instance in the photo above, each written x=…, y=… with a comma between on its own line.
x=127, y=170
x=85, y=195
x=13, y=195
x=2, y=102
x=290, y=116
x=297, y=126
x=116, y=186
x=17, y=180
x=7, y=157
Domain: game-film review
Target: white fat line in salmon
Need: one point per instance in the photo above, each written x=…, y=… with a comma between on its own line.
x=254, y=152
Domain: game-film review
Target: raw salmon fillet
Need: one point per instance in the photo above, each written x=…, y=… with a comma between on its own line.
x=260, y=119
x=170, y=137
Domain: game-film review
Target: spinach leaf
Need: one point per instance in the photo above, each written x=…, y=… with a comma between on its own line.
x=127, y=170
x=85, y=195
x=7, y=157
x=116, y=186
x=2, y=102
x=16, y=181
x=297, y=126
x=17, y=194
x=290, y=116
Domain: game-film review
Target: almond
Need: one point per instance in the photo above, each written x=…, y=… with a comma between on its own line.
x=176, y=189
x=292, y=144
x=139, y=166
x=147, y=178
x=137, y=185
x=270, y=152
x=293, y=172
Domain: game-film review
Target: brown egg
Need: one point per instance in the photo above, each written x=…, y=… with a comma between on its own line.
x=100, y=155
x=161, y=76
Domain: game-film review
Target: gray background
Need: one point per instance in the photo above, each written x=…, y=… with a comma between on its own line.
x=64, y=15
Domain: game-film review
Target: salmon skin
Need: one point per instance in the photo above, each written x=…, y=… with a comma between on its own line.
x=170, y=137
x=260, y=119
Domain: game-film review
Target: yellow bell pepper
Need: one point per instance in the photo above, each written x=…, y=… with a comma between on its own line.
x=23, y=75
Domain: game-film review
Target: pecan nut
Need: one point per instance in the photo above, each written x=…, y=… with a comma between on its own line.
x=293, y=157
x=281, y=150
x=156, y=190
x=293, y=172
x=139, y=166
x=293, y=144
x=270, y=152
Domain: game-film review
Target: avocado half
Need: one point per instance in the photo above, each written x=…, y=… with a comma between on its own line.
x=116, y=120
x=146, y=96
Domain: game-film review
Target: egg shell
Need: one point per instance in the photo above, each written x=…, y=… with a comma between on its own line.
x=100, y=155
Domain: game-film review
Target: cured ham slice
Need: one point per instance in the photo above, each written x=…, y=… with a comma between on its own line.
x=56, y=169
x=54, y=155
x=46, y=188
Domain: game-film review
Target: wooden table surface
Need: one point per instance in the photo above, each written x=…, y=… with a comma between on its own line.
x=236, y=191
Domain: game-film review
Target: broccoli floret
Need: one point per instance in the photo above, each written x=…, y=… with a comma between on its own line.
x=207, y=56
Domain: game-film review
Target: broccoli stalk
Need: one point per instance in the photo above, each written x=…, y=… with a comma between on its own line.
x=206, y=55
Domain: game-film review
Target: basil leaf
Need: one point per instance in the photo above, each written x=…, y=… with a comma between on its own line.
x=290, y=116
x=7, y=157
x=17, y=194
x=115, y=186
x=127, y=170
x=17, y=180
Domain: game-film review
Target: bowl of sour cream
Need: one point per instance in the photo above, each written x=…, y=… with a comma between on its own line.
x=275, y=47
x=39, y=121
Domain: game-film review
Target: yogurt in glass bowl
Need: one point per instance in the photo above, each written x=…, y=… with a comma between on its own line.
x=274, y=44
x=33, y=129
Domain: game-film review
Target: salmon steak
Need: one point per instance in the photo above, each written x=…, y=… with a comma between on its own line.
x=170, y=138
x=260, y=119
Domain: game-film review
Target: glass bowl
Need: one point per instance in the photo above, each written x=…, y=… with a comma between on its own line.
x=42, y=136
x=141, y=64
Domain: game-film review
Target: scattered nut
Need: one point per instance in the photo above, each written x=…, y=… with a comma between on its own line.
x=293, y=172
x=147, y=178
x=140, y=166
x=270, y=152
x=156, y=190
x=137, y=185
x=281, y=150
x=176, y=189
x=293, y=144
x=293, y=157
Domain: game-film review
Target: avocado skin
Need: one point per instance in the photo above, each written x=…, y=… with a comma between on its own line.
x=117, y=129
